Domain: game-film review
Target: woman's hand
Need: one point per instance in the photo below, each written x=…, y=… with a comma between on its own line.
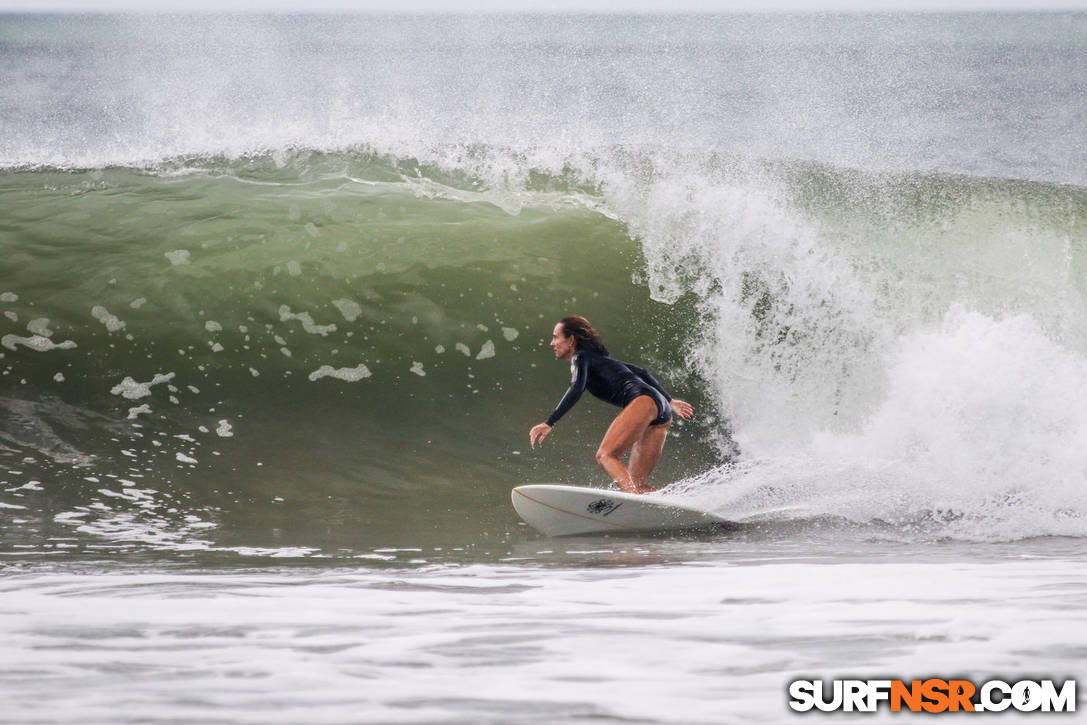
x=681, y=408
x=538, y=433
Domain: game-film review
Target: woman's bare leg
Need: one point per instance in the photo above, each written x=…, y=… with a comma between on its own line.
x=646, y=453
x=627, y=429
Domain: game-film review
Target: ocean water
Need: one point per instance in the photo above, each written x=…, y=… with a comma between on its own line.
x=276, y=293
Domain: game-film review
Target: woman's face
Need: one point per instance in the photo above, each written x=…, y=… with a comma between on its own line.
x=561, y=344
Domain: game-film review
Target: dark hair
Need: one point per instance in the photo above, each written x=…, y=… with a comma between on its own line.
x=586, y=335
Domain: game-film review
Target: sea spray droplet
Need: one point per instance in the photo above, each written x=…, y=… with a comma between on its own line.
x=112, y=322
x=487, y=351
x=178, y=257
x=350, y=375
x=348, y=308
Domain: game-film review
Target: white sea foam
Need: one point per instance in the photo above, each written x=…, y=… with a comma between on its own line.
x=28, y=486
x=178, y=257
x=487, y=351
x=131, y=389
x=350, y=375
x=348, y=308
x=285, y=315
x=133, y=413
x=39, y=326
x=35, y=342
x=111, y=321
x=699, y=644
x=969, y=426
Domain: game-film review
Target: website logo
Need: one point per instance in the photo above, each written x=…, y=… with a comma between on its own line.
x=932, y=695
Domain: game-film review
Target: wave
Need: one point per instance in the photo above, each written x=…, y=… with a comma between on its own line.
x=308, y=351
x=888, y=348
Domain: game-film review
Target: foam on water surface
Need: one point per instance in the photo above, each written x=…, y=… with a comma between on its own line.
x=477, y=636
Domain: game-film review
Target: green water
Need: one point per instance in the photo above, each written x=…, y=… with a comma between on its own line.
x=445, y=298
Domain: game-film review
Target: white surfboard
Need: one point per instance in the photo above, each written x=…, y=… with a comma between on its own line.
x=568, y=510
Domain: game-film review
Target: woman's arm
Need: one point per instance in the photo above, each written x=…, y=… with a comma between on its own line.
x=579, y=379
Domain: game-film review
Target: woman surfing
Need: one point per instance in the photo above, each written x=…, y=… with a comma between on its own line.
x=641, y=427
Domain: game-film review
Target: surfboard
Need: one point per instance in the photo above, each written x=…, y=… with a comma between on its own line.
x=557, y=510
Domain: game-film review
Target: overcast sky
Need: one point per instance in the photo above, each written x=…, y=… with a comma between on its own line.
x=535, y=5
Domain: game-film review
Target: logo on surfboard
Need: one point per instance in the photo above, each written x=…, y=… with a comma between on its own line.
x=603, y=507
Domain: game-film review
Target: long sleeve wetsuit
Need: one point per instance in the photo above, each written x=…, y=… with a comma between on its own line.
x=613, y=381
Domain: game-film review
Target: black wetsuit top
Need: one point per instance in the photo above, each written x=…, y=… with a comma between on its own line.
x=613, y=381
